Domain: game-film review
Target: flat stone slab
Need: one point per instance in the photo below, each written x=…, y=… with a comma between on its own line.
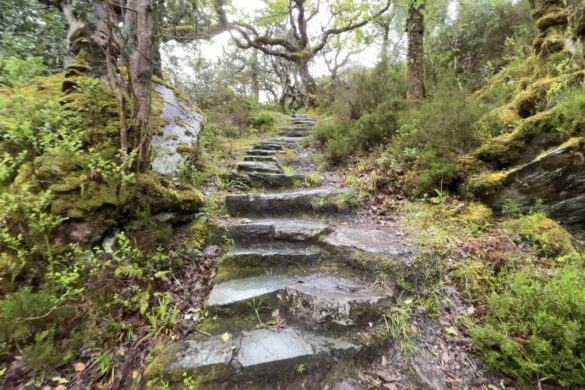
x=253, y=166
x=284, y=140
x=259, y=351
x=262, y=152
x=270, y=256
x=322, y=299
x=280, y=229
x=266, y=350
x=296, y=134
x=201, y=354
x=290, y=202
x=268, y=146
x=368, y=240
x=269, y=180
x=267, y=159
x=242, y=290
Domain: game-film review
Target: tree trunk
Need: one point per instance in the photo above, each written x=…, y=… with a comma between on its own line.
x=140, y=22
x=415, y=74
x=308, y=82
x=385, y=46
x=255, y=84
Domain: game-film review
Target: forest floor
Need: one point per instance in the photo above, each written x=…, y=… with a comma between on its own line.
x=434, y=350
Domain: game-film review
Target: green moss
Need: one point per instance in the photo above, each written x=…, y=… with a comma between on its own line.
x=477, y=213
x=552, y=18
x=486, y=183
x=547, y=237
x=162, y=358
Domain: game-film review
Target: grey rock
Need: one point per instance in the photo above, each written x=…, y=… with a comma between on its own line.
x=264, y=350
x=281, y=229
x=295, y=134
x=268, y=180
x=346, y=384
x=270, y=256
x=261, y=159
x=268, y=146
x=322, y=299
x=291, y=202
x=202, y=354
x=286, y=140
x=251, y=166
x=242, y=290
x=427, y=375
x=183, y=128
x=556, y=179
x=367, y=239
x=297, y=230
x=262, y=152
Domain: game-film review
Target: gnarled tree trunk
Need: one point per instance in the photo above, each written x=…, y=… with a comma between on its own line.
x=308, y=81
x=415, y=74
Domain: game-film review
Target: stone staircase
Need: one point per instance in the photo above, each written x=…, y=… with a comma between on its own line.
x=283, y=314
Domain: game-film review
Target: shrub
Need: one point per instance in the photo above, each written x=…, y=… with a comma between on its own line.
x=261, y=120
x=16, y=72
x=338, y=150
x=375, y=129
x=535, y=326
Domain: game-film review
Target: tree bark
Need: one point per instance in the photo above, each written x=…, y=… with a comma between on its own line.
x=415, y=74
x=308, y=82
x=140, y=22
x=255, y=83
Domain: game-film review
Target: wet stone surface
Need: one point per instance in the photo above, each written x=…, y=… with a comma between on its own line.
x=368, y=240
x=328, y=299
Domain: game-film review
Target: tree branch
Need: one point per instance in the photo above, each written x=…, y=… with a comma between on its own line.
x=352, y=26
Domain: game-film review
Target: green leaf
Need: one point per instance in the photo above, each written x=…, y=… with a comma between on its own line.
x=451, y=330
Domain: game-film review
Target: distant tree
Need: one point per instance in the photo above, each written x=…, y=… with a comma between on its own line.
x=415, y=28
x=296, y=44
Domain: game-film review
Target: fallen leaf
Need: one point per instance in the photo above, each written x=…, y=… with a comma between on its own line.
x=451, y=330
x=225, y=337
x=78, y=367
x=59, y=380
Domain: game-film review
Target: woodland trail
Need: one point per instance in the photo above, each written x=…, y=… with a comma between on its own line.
x=292, y=307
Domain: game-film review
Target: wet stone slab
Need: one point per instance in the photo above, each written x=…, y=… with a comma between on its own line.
x=201, y=354
x=368, y=240
x=322, y=299
x=241, y=290
x=292, y=202
x=280, y=229
x=269, y=256
x=267, y=350
x=251, y=166
x=261, y=351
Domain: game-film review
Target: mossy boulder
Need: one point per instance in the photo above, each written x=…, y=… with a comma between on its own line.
x=555, y=180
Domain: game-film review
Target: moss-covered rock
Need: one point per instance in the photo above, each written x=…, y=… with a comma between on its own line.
x=555, y=180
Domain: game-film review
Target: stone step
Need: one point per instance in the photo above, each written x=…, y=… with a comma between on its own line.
x=317, y=200
x=255, y=166
x=261, y=159
x=286, y=141
x=323, y=300
x=268, y=180
x=316, y=300
x=273, y=255
x=226, y=361
x=239, y=292
x=268, y=146
x=262, y=152
x=276, y=229
x=305, y=122
x=295, y=134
